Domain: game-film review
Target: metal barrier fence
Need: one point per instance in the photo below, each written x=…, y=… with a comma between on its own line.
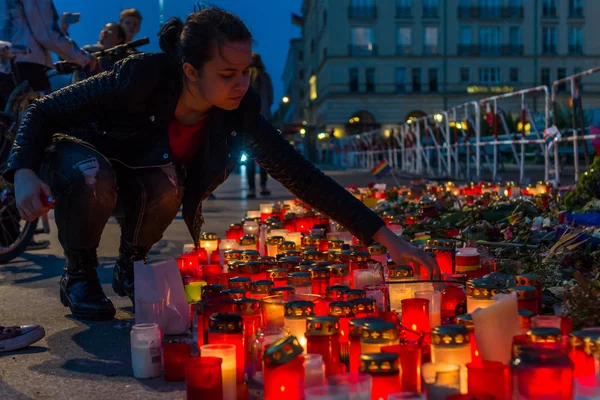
x=450, y=144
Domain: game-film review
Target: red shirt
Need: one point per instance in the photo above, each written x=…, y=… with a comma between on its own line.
x=185, y=140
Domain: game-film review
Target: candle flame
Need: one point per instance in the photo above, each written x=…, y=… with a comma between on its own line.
x=342, y=333
x=414, y=327
x=282, y=388
x=476, y=353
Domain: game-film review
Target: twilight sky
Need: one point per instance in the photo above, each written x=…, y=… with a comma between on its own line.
x=268, y=20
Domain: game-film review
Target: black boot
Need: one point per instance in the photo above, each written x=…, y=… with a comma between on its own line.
x=123, y=279
x=80, y=288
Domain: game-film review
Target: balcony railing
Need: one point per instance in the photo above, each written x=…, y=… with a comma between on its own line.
x=490, y=50
x=490, y=12
x=466, y=50
x=431, y=49
x=575, y=49
x=403, y=49
x=430, y=12
x=549, y=12
x=576, y=12
x=549, y=49
x=362, y=50
x=362, y=12
x=512, y=50
x=403, y=12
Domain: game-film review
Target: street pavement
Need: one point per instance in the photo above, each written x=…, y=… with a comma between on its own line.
x=91, y=360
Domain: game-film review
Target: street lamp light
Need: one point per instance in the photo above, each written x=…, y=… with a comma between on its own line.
x=285, y=99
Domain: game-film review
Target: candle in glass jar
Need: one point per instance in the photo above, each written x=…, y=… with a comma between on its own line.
x=378, y=254
x=203, y=378
x=365, y=307
x=467, y=260
x=296, y=313
x=339, y=275
x=526, y=297
x=273, y=310
x=435, y=300
x=356, y=327
x=379, y=294
x=366, y=277
x=228, y=328
x=410, y=356
x=488, y=378
x=248, y=242
x=479, y=294
x=175, y=355
x=283, y=369
x=344, y=311
x=300, y=281
x=534, y=280
x=467, y=321
x=441, y=380
x=226, y=352
x=320, y=278
x=450, y=344
x=295, y=237
x=260, y=289
x=272, y=243
x=209, y=241
x=376, y=335
x=323, y=337
x=582, y=346
x=314, y=371
x=253, y=214
x=415, y=316
x=384, y=369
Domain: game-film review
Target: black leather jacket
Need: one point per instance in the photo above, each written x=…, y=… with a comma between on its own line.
x=124, y=113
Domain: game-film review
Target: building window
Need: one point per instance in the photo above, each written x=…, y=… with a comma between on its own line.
x=576, y=40
x=465, y=40
x=549, y=40
x=370, y=79
x=430, y=8
x=490, y=39
x=575, y=8
x=465, y=75
x=514, y=41
x=546, y=78
x=489, y=76
x=513, y=75
x=549, y=8
x=362, y=9
x=404, y=40
x=490, y=8
x=561, y=73
x=432, y=74
x=353, y=82
x=416, y=80
x=515, y=9
x=362, y=41
x=400, y=80
x=431, y=40
x=403, y=8
x=312, y=82
x=324, y=18
x=301, y=74
x=300, y=55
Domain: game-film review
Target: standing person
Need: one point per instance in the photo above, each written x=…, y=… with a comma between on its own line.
x=111, y=35
x=261, y=82
x=34, y=24
x=131, y=21
x=155, y=132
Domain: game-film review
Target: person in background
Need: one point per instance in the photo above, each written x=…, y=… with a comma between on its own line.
x=131, y=21
x=111, y=35
x=261, y=82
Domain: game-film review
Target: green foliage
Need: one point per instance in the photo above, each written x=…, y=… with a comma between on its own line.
x=588, y=188
x=581, y=299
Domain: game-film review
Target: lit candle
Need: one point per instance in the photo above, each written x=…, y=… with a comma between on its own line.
x=323, y=337
x=468, y=261
x=488, y=378
x=296, y=313
x=356, y=330
x=320, y=278
x=435, y=304
x=338, y=275
x=235, y=232
x=526, y=297
x=272, y=243
x=250, y=227
x=479, y=294
x=534, y=280
x=273, y=311
x=467, y=321
x=203, y=378
x=384, y=369
x=441, y=380
x=300, y=281
x=295, y=237
x=283, y=369
x=228, y=328
x=415, y=316
x=495, y=327
x=410, y=356
x=376, y=335
x=450, y=344
x=248, y=242
x=209, y=241
x=260, y=289
x=344, y=311
x=253, y=214
x=379, y=294
x=582, y=345
x=226, y=352
x=365, y=307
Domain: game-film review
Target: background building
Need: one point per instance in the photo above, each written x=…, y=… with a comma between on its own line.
x=375, y=63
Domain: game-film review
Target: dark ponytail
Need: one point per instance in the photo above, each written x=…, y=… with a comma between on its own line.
x=203, y=32
x=170, y=36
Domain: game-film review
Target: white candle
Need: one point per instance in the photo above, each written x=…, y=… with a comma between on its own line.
x=297, y=327
x=278, y=232
x=250, y=228
x=441, y=380
x=226, y=244
x=435, y=305
x=314, y=370
x=226, y=352
x=266, y=208
x=495, y=327
x=295, y=237
x=289, y=202
x=146, y=360
x=253, y=214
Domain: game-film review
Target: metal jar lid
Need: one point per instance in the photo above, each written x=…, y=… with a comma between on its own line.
x=364, y=305
x=240, y=282
x=338, y=270
x=275, y=240
x=401, y=272
x=377, y=250
x=342, y=309
x=233, y=255
x=283, y=351
x=322, y=326
x=261, y=286
x=250, y=255
x=586, y=340
x=379, y=332
x=299, y=309
x=277, y=273
x=282, y=290
x=286, y=246
x=450, y=335
x=226, y=323
x=299, y=279
x=523, y=292
x=379, y=364
x=352, y=294
x=545, y=335
x=247, y=306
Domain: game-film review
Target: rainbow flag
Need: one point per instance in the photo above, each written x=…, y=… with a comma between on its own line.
x=512, y=219
x=381, y=169
x=550, y=135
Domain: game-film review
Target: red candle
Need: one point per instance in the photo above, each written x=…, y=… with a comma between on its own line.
x=467, y=320
x=188, y=264
x=454, y=302
x=289, y=222
x=384, y=369
x=278, y=276
x=175, y=356
x=415, y=316
x=539, y=372
x=260, y=289
x=410, y=356
x=240, y=282
x=352, y=294
x=215, y=257
x=444, y=258
x=323, y=337
x=227, y=328
x=320, y=279
x=581, y=351
x=339, y=275
x=535, y=281
x=365, y=307
x=344, y=311
x=235, y=232
x=252, y=269
x=202, y=256
x=283, y=369
x=249, y=309
x=488, y=378
x=211, y=272
x=356, y=330
x=203, y=378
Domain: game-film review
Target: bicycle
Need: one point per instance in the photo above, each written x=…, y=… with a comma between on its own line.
x=15, y=233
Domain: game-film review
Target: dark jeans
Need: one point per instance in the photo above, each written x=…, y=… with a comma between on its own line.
x=32, y=72
x=88, y=189
x=251, y=173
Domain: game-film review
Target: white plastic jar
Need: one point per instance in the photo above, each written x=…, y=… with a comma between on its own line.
x=146, y=354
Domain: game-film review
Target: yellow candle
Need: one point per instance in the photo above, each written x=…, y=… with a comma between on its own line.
x=226, y=352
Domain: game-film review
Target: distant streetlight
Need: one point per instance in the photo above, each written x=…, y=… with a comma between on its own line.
x=285, y=99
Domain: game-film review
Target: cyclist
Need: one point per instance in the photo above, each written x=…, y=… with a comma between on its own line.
x=34, y=24
x=156, y=132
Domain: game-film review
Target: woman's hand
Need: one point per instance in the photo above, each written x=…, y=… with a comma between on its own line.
x=29, y=190
x=404, y=253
